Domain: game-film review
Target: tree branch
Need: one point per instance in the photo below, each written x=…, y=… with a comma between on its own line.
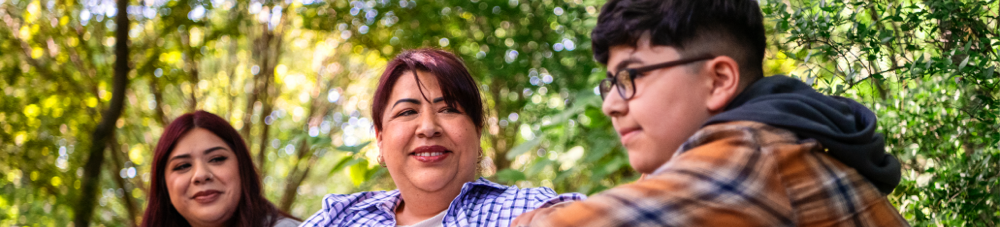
x=102, y=134
x=127, y=199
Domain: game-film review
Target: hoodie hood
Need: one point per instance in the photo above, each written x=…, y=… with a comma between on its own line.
x=843, y=126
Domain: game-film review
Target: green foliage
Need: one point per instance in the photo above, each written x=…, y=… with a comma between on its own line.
x=927, y=68
x=295, y=77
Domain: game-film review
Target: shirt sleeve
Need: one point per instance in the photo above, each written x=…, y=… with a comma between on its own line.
x=725, y=180
x=323, y=216
x=564, y=198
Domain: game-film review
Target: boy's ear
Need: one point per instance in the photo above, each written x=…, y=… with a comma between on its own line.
x=725, y=75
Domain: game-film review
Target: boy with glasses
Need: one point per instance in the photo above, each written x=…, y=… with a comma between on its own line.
x=719, y=143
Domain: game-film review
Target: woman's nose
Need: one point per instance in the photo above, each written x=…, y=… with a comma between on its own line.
x=429, y=127
x=202, y=175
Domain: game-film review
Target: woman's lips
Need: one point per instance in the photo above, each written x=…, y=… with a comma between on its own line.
x=206, y=196
x=430, y=154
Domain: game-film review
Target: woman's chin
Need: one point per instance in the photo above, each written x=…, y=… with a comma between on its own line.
x=432, y=180
x=210, y=215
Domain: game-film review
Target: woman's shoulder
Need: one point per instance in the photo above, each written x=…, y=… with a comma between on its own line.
x=361, y=207
x=534, y=196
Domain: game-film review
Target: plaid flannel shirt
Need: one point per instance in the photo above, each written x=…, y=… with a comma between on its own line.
x=480, y=203
x=739, y=174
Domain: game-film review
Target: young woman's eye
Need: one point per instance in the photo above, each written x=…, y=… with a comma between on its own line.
x=406, y=113
x=181, y=167
x=218, y=159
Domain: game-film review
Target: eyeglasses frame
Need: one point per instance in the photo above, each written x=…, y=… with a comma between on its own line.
x=613, y=78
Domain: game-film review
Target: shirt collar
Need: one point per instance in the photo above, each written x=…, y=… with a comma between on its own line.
x=387, y=199
x=391, y=199
x=482, y=182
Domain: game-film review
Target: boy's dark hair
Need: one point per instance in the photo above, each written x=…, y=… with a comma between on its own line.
x=733, y=28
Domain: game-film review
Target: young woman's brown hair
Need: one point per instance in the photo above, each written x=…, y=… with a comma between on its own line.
x=252, y=210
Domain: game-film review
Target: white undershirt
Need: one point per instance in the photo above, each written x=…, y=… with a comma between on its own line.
x=435, y=221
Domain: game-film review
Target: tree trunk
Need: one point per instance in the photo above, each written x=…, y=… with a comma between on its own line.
x=271, y=52
x=260, y=83
x=296, y=176
x=161, y=116
x=318, y=109
x=230, y=68
x=191, y=68
x=503, y=141
x=127, y=199
x=92, y=169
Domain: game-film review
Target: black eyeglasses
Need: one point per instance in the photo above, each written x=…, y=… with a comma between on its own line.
x=625, y=78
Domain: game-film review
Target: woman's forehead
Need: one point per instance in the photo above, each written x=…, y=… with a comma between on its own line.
x=406, y=86
x=196, y=141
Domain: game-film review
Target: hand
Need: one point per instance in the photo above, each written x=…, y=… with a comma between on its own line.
x=531, y=218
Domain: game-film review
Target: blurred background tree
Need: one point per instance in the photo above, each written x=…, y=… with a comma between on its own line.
x=295, y=78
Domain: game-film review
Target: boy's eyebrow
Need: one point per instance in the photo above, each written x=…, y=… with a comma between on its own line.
x=621, y=65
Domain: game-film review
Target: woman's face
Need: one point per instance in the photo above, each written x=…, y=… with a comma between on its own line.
x=427, y=146
x=203, y=178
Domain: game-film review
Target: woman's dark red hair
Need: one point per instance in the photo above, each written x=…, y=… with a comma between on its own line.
x=457, y=86
x=253, y=209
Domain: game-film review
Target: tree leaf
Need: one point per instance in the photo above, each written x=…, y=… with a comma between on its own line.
x=964, y=63
x=343, y=162
x=354, y=149
x=524, y=147
x=358, y=172
x=510, y=175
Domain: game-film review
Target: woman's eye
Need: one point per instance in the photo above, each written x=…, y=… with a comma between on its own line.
x=219, y=159
x=450, y=110
x=181, y=167
x=406, y=113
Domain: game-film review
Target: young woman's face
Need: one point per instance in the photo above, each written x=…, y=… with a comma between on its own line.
x=427, y=146
x=203, y=179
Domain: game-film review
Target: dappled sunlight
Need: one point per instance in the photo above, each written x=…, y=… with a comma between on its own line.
x=296, y=79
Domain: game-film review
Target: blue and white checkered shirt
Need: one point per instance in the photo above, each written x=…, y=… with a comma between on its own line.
x=481, y=203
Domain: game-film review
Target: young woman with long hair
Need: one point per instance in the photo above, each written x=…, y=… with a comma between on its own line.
x=203, y=176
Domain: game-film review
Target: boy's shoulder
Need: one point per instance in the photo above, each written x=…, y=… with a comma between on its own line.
x=744, y=173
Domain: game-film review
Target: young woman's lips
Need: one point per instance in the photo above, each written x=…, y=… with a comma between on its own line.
x=206, y=196
x=430, y=154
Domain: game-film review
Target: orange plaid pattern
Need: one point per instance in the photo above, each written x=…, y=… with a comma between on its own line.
x=740, y=174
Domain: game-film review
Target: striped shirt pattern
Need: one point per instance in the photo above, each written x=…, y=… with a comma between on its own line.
x=739, y=174
x=480, y=203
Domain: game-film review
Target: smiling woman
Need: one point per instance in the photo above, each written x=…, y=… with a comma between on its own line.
x=428, y=119
x=203, y=176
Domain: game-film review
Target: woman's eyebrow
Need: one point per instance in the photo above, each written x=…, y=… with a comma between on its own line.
x=179, y=157
x=414, y=101
x=210, y=150
x=182, y=156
